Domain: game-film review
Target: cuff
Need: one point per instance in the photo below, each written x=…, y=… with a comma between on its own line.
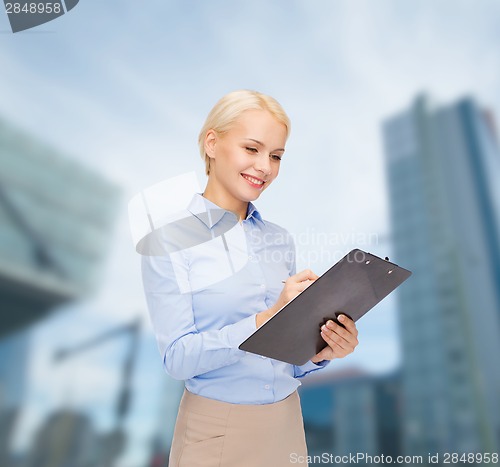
x=310, y=366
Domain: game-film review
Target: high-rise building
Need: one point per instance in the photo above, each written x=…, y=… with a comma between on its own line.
x=367, y=417
x=443, y=166
x=351, y=412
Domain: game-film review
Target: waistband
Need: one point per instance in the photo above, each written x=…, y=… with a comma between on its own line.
x=220, y=409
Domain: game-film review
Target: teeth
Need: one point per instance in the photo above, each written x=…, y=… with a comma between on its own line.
x=253, y=180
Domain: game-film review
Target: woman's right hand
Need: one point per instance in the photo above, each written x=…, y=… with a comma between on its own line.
x=292, y=287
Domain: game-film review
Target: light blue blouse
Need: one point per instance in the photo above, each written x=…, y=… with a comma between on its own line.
x=205, y=277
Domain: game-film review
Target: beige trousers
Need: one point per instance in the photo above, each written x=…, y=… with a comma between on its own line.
x=212, y=433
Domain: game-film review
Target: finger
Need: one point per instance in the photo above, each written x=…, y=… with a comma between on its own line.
x=335, y=348
x=349, y=324
x=345, y=333
x=306, y=274
x=301, y=286
x=333, y=339
x=338, y=329
x=348, y=340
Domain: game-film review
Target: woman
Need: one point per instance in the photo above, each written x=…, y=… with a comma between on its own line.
x=216, y=276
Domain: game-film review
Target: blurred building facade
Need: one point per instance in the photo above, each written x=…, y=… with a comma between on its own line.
x=14, y=352
x=13, y=386
x=66, y=438
x=55, y=221
x=443, y=167
x=352, y=412
x=166, y=418
x=56, y=218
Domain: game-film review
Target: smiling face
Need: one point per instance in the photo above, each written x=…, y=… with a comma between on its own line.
x=245, y=160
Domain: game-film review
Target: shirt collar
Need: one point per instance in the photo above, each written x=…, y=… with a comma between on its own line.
x=200, y=206
x=253, y=212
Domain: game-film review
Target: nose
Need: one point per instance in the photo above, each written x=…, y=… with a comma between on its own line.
x=263, y=164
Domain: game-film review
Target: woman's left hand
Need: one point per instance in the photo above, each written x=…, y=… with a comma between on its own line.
x=341, y=342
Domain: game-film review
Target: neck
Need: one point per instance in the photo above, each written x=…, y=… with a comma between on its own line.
x=225, y=202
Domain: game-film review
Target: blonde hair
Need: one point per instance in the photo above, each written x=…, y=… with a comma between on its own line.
x=229, y=108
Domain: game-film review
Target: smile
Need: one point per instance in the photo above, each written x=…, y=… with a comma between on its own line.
x=254, y=182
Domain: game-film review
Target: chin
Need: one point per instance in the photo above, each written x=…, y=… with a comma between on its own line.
x=248, y=198
x=254, y=194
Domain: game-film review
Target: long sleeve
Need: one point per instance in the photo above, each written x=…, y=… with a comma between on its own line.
x=186, y=351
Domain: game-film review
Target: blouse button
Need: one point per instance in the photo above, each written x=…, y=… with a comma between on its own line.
x=267, y=386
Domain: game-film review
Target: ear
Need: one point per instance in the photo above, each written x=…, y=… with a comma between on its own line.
x=210, y=143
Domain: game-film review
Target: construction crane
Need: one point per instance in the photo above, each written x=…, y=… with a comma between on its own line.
x=114, y=441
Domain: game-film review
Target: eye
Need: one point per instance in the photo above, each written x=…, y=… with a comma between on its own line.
x=252, y=150
x=276, y=157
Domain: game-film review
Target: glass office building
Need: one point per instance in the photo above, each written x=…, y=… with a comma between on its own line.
x=350, y=412
x=443, y=166
x=55, y=222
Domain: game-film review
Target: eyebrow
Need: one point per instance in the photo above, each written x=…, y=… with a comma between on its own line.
x=262, y=144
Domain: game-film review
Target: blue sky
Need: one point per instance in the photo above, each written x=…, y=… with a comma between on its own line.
x=124, y=87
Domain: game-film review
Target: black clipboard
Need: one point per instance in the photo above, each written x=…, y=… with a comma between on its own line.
x=353, y=286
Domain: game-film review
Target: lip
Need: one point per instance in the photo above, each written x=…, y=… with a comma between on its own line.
x=253, y=184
